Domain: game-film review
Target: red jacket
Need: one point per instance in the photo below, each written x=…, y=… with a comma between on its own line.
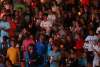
x=79, y=44
x=12, y=29
x=85, y=2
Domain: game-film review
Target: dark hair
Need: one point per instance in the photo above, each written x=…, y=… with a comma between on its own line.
x=5, y=38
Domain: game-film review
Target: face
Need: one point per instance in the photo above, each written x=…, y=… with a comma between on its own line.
x=30, y=49
x=68, y=38
x=12, y=43
x=45, y=18
x=62, y=46
x=78, y=37
x=9, y=19
x=91, y=32
x=41, y=37
x=40, y=13
x=55, y=48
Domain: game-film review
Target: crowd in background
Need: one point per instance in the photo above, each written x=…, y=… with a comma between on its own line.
x=49, y=33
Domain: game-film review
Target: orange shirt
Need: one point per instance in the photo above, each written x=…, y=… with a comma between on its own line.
x=12, y=54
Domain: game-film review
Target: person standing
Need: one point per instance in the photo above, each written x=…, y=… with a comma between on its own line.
x=40, y=47
x=96, y=49
x=13, y=54
x=54, y=56
x=1, y=62
x=88, y=46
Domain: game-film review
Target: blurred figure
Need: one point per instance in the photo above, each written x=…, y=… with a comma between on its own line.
x=1, y=62
x=90, y=41
x=13, y=54
x=47, y=25
x=40, y=47
x=55, y=57
x=8, y=63
x=96, y=49
x=31, y=57
x=27, y=41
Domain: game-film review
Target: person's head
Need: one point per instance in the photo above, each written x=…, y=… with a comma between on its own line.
x=4, y=17
x=61, y=46
x=31, y=36
x=78, y=36
x=12, y=43
x=50, y=11
x=55, y=48
x=5, y=38
x=41, y=38
x=9, y=18
x=40, y=13
x=68, y=38
x=30, y=49
x=27, y=9
x=91, y=32
x=45, y=18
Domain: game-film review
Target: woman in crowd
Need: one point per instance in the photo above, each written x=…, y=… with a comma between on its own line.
x=13, y=54
x=54, y=56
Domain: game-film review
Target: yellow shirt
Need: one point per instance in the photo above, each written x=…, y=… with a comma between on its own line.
x=12, y=54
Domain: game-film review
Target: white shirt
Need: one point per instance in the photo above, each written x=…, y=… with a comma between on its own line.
x=91, y=41
x=3, y=33
x=96, y=57
x=46, y=25
x=91, y=38
x=88, y=46
x=51, y=18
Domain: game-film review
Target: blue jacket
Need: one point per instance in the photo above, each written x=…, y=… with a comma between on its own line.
x=40, y=48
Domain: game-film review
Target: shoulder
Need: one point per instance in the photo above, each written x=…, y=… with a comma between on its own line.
x=50, y=53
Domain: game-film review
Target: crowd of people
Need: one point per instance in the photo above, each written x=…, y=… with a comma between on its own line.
x=49, y=33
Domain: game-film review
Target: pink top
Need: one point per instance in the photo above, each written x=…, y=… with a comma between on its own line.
x=26, y=43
